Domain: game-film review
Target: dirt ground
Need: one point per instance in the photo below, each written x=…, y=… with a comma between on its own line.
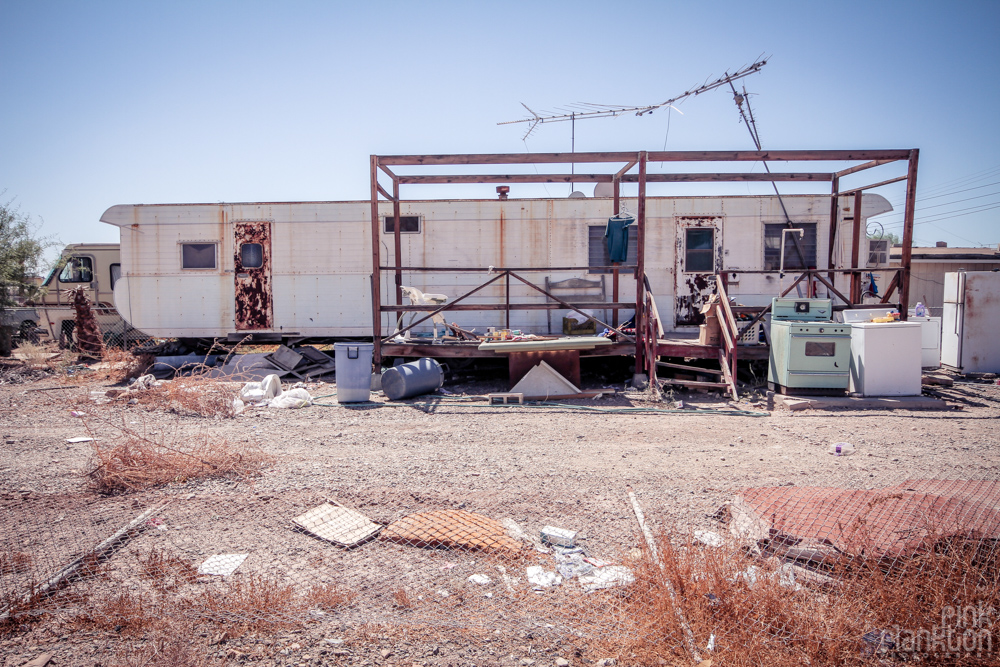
x=568, y=466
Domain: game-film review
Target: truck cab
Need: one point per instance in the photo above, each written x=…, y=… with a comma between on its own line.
x=93, y=266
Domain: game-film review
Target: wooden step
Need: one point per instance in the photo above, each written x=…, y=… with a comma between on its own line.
x=692, y=383
x=690, y=369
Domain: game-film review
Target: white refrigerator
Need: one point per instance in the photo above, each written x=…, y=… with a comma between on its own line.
x=885, y=359
x=970, y=330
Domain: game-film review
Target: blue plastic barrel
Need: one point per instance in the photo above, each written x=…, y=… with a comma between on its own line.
x=407, y=380
x=354, y=371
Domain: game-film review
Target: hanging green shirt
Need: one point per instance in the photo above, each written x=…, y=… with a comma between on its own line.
x=616, y=234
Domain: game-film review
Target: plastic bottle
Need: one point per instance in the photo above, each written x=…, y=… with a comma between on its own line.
x=841, y=449
x=919, y=310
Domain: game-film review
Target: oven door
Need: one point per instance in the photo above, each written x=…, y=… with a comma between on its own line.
x=826, y=354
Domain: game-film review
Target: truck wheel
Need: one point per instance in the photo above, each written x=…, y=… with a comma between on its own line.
x=28, y=332
x=66, y=335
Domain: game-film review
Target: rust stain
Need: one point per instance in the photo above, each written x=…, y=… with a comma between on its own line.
x=253, y=284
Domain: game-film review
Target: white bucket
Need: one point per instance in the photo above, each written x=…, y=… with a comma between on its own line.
x=354, y=371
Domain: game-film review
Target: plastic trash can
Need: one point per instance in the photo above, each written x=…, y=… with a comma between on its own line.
x=354, y=371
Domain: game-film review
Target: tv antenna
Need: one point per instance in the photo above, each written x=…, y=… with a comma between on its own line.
x=586, y=110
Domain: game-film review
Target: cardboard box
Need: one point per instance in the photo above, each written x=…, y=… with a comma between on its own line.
x=710, y=333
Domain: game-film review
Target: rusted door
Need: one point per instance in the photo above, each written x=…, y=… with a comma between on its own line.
x=699, y=258
x=253, y=275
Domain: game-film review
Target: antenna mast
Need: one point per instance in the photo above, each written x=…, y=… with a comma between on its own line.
x=604, y=110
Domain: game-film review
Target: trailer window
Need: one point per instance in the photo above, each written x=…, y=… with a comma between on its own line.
x=116, y=273
x=772, y=246
x=699, y=249
x=408, y=224
x=597, y=249
x=197, y=255
x=251, y=255
x=77, y=270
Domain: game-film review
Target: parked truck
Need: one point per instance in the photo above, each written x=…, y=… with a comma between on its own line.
x=93, y=266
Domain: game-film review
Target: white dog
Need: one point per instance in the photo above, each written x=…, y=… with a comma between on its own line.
x=417, y=297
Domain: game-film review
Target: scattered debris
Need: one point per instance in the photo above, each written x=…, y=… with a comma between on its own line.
x=540, y=578
x=544, y=382
x=480, y=579
x=452, y=529
x=74, y=441
x=708, y=538
x=884, y=523
x=841, y=449
x=338, y=524
x=559, y=536
x=222, y=565
x=607, y=577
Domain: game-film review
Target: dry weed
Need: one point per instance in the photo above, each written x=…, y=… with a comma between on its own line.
x=13, y=562
x=192, y=396
x=250, y=603
x=135, y=462
x=401, y=599
x=751, y=611
x=166, y=571
x=34, y=355
x=329, y=597
x=124, y=611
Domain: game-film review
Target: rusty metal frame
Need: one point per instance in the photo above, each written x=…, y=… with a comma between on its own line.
x=645, y=354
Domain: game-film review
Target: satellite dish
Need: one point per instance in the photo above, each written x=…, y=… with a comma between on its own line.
x=576, y=194
x=604, y=190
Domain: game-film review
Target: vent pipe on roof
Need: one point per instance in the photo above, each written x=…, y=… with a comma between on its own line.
x=941, y=244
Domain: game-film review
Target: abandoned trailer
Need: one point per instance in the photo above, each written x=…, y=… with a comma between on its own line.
x=304, y=269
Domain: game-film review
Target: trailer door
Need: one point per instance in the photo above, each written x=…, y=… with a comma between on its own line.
x=699, y=258
x=253, y=275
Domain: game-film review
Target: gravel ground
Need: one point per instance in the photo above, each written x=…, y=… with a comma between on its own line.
x=566, y=467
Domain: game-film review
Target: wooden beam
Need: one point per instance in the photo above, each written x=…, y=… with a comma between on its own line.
x=862, y=167
x=731, y=177
x=397, y=243
x=856, y=249
x=906, y=255
x=657, y=156
x=601, y=305
x=376, y=275
x=834, y=222
x=874, y=185
x=459, y=179
x=387, y=171
x=640, y=264
x=382, y=191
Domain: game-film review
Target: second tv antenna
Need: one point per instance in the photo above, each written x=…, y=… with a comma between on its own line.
x=604, y=110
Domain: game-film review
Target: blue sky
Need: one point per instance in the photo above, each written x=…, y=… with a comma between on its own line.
x=139, y=102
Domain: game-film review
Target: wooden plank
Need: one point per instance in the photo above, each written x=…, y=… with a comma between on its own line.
x=834, y=218
x=861, y=167
x=906, y=255
x=690, y=369
x=856, y=249
x=655, y=156
x=693, y=383
x=733, y=176
x=504, y=178
x=406, y=308
x=873, y=185
x=375, y=282
x=640, y=264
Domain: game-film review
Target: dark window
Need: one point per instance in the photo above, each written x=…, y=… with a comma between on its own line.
x=116, y=273
x=408, y=224
x=772, y=246
x=251, y=255
x=597, y=248
x=699, y=249
x=197, y=255
x=77, y=270
x=814, y=349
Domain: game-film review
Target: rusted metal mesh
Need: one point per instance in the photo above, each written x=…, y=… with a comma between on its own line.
x=781, y=575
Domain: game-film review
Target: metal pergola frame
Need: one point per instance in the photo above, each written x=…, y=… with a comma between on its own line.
x=865, y=159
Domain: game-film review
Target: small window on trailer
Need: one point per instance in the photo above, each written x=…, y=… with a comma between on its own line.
x=699, y=249
x=408, y=224
x=251, y=255
x=116, y=273
x=597, y=249
x=772, y=246
x=198, y=255
x=77, y=270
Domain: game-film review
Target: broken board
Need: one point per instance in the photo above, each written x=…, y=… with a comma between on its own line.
x=338, y=524
x=543, y=382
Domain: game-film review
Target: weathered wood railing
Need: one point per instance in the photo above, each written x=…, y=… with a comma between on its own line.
x=730, y=336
